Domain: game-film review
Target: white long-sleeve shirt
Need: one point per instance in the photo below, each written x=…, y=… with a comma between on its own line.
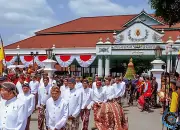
x=63, y=89
x=19, y=87
x=56, y=113
x=87, y=98
x=109, y=92
x=99, y=95
x=120, y=89
x=13, y=115
x=74, y=99
x=29, y=100
x=34, y=85
x=44, y=93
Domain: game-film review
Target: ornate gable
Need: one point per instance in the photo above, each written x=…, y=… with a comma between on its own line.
x=145, y=18
x=138, y=32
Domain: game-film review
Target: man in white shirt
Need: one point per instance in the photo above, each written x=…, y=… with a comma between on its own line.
x=120, y=88
x=78, y=83
x=74, y=99
x=98, y=98
x=13, y=112
x=34, y=85
x=56, y=110
x=109, y=90
x=64, y=87
x=44, y=93
x=19, y=84
x=94, y=83
x=86, y=105
x=29, y=100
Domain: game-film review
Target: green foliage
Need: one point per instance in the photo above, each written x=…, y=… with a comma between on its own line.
x=169, y=10
x=89, y=79
x=142, y=65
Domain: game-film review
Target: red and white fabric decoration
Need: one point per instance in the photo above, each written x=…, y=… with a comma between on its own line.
x=65, y=60
x=85, y=60
x=10, y=60
x=26, y=60
x=39, y=60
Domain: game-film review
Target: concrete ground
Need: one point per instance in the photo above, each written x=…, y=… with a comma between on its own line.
x=137, y=120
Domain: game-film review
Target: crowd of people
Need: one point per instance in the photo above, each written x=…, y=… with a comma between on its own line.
x=63, y=102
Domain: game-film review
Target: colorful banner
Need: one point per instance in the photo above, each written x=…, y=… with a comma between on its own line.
x=39, y=60
x=9, y=60
x=26, y=60
x=65, y=60
x=85, y=60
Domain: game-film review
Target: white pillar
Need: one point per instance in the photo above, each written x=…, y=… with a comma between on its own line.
x=107, y=64
x=158, y=79
x=157, y=71
x=168, y=64
x=100, y=66
x=178, y=66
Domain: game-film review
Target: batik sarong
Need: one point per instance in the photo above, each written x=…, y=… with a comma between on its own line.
x=41, y=117
x=72, y=124
x=111, y=117
x=96, y=108
x=85, y=113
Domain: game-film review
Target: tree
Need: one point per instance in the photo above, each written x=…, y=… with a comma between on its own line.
x=169, y=10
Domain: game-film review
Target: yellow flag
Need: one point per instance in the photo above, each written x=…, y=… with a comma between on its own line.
x=1, y=50
x=2, y=56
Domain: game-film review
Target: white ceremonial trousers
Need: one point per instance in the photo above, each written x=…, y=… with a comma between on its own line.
x=13, y=115
x=74, y=99
x=99, y=95
x=56, y=113
x=87, y=98
x=29, y=100
x=120, y=89
x=34, y=85
x=19, y=87
x=109, y=92
x=44, y=93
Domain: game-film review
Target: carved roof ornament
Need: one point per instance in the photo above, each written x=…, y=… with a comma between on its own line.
x=162, y=31
x=170, y=41
x=107, y=41
x=18, y=47
x=100, y=41
x=114, y=33
x=178, y=39
x=54, y=46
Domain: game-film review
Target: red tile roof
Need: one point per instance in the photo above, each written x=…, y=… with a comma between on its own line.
x=88, y=38
x=61, y=41
x=91, y=24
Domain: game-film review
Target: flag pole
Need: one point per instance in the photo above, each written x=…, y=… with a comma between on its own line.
x=3, y=51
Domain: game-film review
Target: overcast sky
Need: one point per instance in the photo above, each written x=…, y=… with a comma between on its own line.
x=19, y=19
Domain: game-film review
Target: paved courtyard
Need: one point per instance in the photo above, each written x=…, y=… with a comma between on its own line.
x=137, y=120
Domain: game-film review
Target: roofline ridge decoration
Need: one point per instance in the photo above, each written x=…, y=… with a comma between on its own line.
x=110, y=15
x=102, y=31
x=148, y=15
x=41, y=31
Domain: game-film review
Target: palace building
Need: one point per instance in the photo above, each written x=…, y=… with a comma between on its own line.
x=100, y=45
